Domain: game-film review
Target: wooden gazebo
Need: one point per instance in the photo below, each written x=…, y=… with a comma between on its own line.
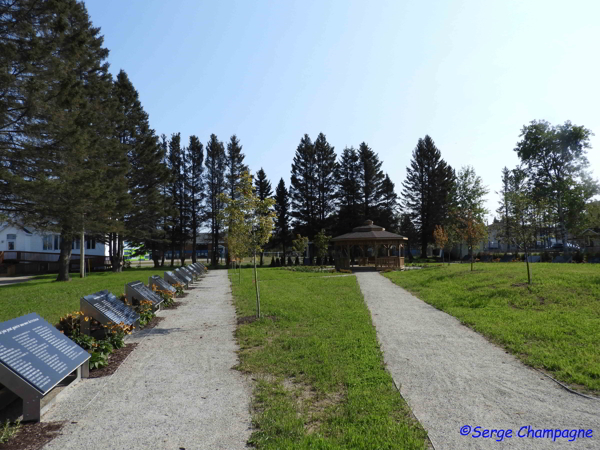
x=370, y=236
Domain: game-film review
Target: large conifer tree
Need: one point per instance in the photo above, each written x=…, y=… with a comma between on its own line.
x=235, y=165
x=195, y=183
x=429, y=179
x=216, y=184
x=325, y=180
x=388, y=212
x=174, y=163
x=349, y=188
x=67, y=172
x=304, y=188
x=263, y=191
x=282, y=220
x=147, y=171
x=372, y=179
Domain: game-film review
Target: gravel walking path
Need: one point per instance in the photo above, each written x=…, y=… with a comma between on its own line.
x=177, y=390
x=452, y=376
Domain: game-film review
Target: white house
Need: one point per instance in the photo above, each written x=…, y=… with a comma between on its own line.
x=24, y=239
x=25, y=250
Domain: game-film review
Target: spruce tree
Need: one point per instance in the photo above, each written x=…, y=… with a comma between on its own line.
x=303, y=189
x=349, y=188
x=235, y=165
x=372, y=179
x=262, y=185
x=147, y=171
x=174, y=164
x=195, y=155
x=429, y=180
x=325, y=179
x=263, y=191
x=282, y=219
x=388, y=213
x=216, y=184
x=66, y=170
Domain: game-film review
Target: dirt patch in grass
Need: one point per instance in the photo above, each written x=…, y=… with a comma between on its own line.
x=249, y=319
x=114, y=361
x=33, y=436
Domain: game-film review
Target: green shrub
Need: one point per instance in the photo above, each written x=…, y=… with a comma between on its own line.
x=98, y=360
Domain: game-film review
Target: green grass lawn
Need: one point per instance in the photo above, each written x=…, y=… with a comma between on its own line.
x=321, y=381
x=51, y=299
x=553, y=325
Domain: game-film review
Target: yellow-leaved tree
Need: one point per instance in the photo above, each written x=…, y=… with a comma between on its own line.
x=250, y=222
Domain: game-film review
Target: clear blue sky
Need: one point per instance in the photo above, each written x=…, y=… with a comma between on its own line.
x=468, y=73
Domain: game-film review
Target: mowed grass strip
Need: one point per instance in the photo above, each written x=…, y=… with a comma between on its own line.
x=52, y=299
x=553, y=324
x=321, y=381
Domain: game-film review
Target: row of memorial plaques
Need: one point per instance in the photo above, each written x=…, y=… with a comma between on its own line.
x=35, y=356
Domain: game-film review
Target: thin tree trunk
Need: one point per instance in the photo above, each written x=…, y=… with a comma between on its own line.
x=471, y=259
x=65, y=257
x=257, y=290
x=194, y=237
x=528, y=269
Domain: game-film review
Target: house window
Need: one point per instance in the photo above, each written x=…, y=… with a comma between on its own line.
x=56, y=242
x=47, y=242
x=76, y=244
x=90, y=243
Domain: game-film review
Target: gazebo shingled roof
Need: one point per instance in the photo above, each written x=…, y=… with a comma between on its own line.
x=368, y=231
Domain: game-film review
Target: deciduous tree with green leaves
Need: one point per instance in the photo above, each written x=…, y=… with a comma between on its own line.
x=441, y=238
x=321, y=241
x=250, y=221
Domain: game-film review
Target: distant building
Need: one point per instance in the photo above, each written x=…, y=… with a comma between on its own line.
x=24, y=250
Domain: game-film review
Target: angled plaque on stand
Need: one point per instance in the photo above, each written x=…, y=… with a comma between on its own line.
x=136, y=291
x=34, y=358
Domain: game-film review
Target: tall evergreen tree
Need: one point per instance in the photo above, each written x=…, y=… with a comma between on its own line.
x=235, y=165
x=282, y=219
x=349, y=188
x=195, y=155
x=388, y=213
x=262, y=185
x=174, y=164
x=325, y=181
x=429, y=180
x=263, y=191
x=372, y=179
x=216, y=184
x=303, y=189
x=62, y=146
x=147, y=171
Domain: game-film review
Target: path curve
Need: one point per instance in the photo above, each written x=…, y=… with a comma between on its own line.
x=452, y=376
x=176, y=390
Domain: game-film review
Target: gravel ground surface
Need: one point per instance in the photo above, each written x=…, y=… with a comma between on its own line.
x=176, y=390
x=451, y=377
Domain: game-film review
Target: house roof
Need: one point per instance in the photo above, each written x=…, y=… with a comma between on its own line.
x=369, y=232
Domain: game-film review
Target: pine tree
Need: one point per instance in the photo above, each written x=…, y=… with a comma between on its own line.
x=349, y=188
x=235, y=165
x=303, y=189
x=282, y=219
x=325, y=180
x=263, y=191
x=388, y=213
x=372, y=179
x=215, y=181
x=174, y=164
x=195, y=155
x=147, y=171
x=61, y=145
x=263, y=185
x=429, y=180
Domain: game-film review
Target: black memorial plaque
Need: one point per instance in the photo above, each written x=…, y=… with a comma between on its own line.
x=37, y=352
x=110, y=307
x=183, y=275
x=137, y=290
x=156, y=280
x=192, y=275
x=195, y=270
x=173, y=278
